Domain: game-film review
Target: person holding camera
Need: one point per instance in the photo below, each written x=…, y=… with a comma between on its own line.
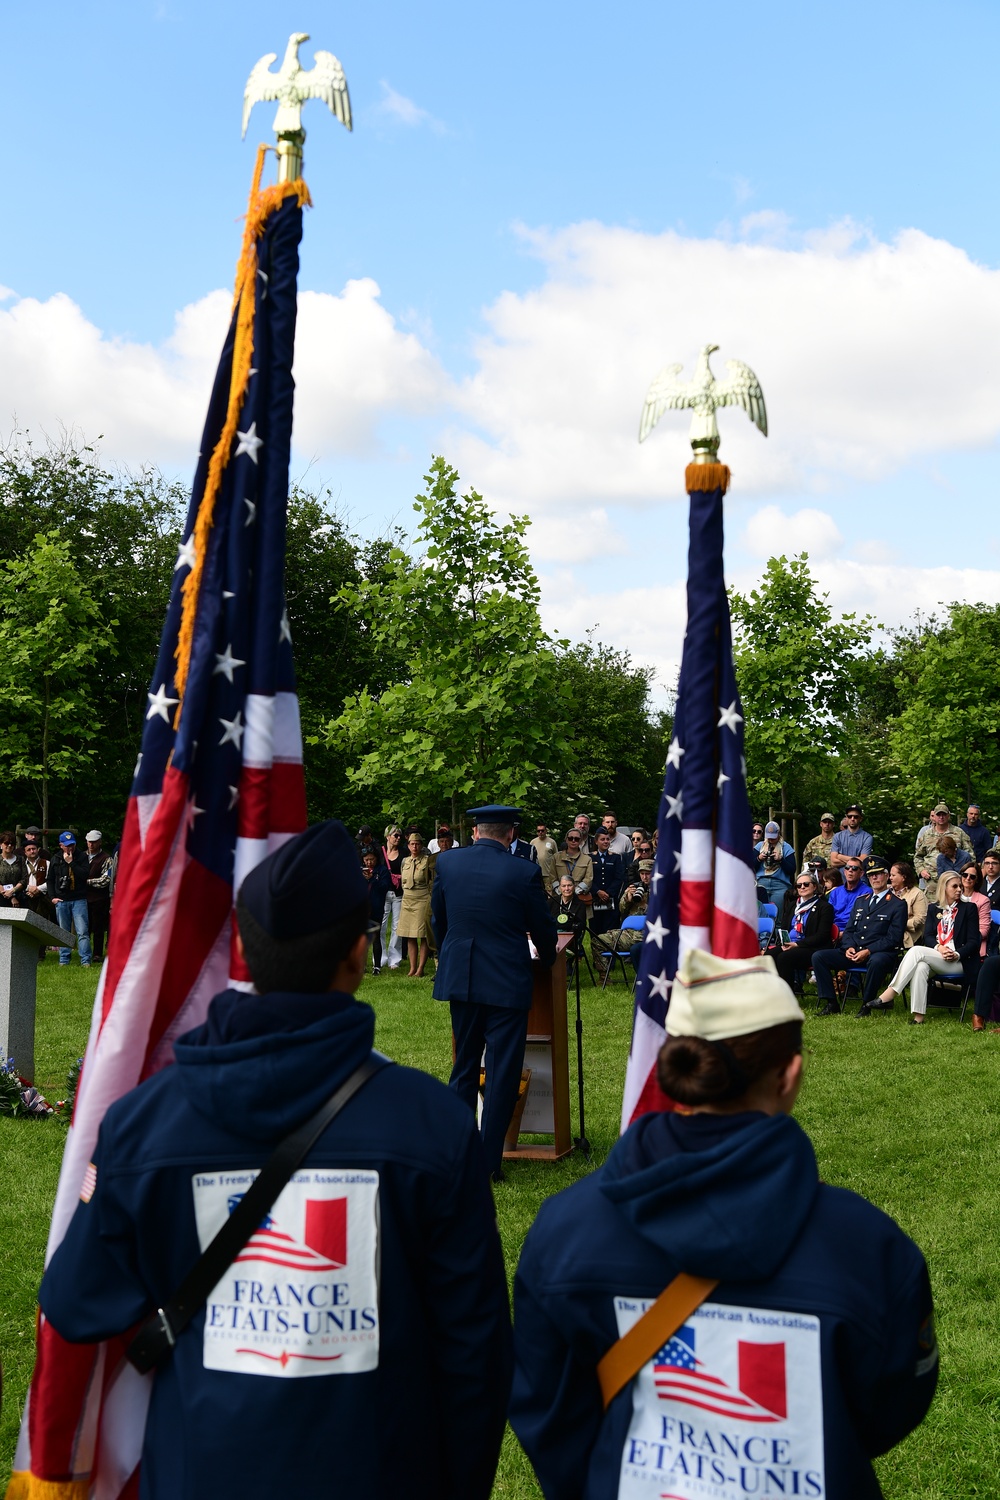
x=632, y=903
x=775, y=864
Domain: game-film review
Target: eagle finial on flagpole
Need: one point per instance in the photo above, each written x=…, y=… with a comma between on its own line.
x=292, y=85
x=704, y=394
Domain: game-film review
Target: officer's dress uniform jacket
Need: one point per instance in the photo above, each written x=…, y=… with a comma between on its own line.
x=483, y=906
x=877, y=923
x=426, y=1295
x=832, y=1288
x=609, y=875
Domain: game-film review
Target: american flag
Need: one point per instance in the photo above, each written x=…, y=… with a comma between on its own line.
x=682, y=1378
x=703, y=888
x=218, y=783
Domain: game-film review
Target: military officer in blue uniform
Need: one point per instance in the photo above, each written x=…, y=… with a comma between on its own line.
x=378, y=1271
x=483, y=907
x=872, y=939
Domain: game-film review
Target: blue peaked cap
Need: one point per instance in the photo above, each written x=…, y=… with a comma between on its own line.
x=309, y=883
x=494, y=813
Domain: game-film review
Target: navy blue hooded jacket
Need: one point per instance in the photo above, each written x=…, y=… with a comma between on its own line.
x=432, y=1407
x=733, y=1197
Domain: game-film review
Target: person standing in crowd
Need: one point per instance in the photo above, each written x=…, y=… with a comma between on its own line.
x=445, y=840
x=632, y=903
x=35, y=869
x=950, y=947
x=821, y=845
x=903, y=884
x=575, y=862
x=976, y=831
x=392, y=854
x=521, y=849
x=645, y=850
x=12, y=876
x=581, y=823
x=365, y=841
x=808, y=931
x=485, y=905
x=389, y=1217
x=971, y=877
x=852, y=842
x=416, y=880
x=871, y=941
x=620, y=843
x=926, y=852
x=775, y=864
x=814, y=1317
x=842, y=897
x=544, y=845
x=379, y=883
x=606, y=886
x=66, y=883
x=98, y=893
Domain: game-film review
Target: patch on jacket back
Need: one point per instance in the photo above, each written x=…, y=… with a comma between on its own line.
x=301, y=1298
x=731, y=1406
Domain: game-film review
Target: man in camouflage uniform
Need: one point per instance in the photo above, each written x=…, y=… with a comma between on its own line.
x=634, y=899
x=820, y=846
x=926, y=853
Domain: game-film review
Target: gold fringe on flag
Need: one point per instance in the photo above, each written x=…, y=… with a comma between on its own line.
x=25, y=1486
x=263, y=203
x=706, y=477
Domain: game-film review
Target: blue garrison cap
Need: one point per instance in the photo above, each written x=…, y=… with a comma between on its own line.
x=309, y=883
x=494, y=813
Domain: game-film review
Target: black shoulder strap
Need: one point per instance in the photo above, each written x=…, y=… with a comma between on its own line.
x=157, y=1336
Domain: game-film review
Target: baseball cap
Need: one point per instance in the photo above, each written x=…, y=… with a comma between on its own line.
x=942, y=807
x=67, y=840
x=94, y=836
x=772, y=831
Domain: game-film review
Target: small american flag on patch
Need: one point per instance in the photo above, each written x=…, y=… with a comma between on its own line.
x=88, y=1184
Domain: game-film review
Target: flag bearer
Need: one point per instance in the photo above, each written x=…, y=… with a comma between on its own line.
x=799, y=1342
x=359, y=1343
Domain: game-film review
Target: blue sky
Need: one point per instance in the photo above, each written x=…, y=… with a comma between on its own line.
x=552, y=202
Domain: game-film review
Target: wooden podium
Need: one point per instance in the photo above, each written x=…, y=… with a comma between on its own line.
x=546, y=1053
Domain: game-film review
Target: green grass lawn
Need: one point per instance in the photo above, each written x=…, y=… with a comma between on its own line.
x=904, y=1115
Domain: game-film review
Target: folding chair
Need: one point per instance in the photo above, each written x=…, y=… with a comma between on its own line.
x=765, y=931
x=949, y=993
x=630, y=924
x=770, y=909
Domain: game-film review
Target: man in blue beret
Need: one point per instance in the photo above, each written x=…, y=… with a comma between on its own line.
x=363, y=1330
x=483, y=907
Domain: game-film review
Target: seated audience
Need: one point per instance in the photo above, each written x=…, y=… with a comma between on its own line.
x=871, y=941
x=951, y=860
x=633, y=903
x=903, y=884
x=808, y=930
x=949, y=947
x=571, y=916
x=843, y=897
x=971, y=877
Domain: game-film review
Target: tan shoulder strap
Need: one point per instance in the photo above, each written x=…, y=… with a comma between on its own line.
x=625, y=1359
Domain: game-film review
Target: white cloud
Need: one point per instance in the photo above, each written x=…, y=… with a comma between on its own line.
x=870, y=354
x=353, y=367
x=404, y=111
x=770, y=532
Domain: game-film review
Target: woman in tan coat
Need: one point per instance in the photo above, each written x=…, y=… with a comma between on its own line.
x=903, y=884
x=417, y=877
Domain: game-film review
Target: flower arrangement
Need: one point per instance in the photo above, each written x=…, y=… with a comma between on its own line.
x=18, y=1097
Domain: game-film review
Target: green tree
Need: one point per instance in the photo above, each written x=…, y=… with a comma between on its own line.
x=945, y=738
x=797, y=667
x=51, y=637
x=479, y=709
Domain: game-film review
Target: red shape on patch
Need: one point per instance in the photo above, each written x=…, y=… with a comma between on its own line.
x=762, y=1375
x=326, y=1228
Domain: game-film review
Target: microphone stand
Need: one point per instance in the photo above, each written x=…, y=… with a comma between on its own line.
x=581, y=1139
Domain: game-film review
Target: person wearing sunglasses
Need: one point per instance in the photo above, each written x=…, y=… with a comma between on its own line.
x=810, y=929
x=872, y=941
x=972, y=877
x=573, y=861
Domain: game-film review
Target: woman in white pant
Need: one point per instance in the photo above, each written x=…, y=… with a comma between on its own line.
x=950, y=946
x=392, y=853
